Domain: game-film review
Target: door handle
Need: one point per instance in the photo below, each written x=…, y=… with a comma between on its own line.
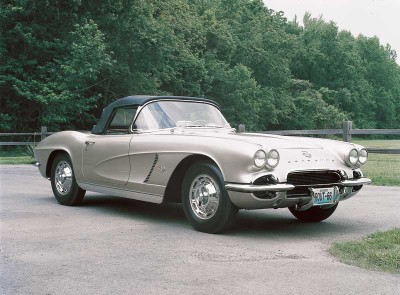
x=87, y=143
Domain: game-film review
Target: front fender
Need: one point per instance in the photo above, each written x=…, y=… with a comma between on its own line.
x=70, y=142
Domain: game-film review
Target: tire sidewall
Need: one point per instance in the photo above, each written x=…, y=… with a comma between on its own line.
x=69, y=198
x=314, y=214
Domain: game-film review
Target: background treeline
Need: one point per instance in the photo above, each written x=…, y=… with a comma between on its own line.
x=61, y=62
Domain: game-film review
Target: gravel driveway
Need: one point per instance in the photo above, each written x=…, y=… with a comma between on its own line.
x=112, y=245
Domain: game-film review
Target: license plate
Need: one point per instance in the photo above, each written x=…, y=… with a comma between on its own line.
x=324, y=196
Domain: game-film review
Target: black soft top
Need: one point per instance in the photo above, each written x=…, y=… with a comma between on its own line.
x=136, y=100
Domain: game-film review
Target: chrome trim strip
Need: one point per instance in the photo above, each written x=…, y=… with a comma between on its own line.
x=130, y=194
x=356, y=182
x=249, y=188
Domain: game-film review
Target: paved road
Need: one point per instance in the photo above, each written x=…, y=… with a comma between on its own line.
x=117, y=246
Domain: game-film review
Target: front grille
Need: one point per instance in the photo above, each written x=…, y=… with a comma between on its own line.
x=302, y=180
x=313, y=177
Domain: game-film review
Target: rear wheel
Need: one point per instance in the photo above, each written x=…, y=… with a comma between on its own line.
x=65, y=189
x=314, y=214
x=205, y=200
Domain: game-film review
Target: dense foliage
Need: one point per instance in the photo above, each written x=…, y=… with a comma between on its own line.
x=61, y=62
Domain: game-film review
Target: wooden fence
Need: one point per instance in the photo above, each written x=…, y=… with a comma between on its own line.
x=37, y=137
x=346, y=132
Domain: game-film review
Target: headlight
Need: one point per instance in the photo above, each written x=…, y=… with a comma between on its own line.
x=362, y=156
x=273, y=158
x=353, y=157
x=260, y=158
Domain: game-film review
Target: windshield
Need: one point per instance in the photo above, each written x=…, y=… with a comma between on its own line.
x=170, y=114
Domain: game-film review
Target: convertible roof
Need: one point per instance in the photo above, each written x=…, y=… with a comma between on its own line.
x=137, y=100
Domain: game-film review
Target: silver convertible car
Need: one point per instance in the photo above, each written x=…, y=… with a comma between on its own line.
x=181, y=149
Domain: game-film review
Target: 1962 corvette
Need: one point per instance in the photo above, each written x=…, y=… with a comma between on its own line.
x=181, y=149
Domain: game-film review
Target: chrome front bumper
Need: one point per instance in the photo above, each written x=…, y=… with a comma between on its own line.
x=251, y=188
x=284, y=187
x=356, y=182
x=242, y=194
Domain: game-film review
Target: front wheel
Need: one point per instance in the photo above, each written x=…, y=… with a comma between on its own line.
x=205, y=200
x=65, y=189
x=314, y=214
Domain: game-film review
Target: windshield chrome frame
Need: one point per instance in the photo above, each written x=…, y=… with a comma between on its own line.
x=136, y=131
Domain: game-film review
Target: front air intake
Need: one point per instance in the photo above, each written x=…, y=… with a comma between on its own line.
x=303, y=180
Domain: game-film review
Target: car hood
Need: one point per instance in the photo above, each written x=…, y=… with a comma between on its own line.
x=267, y=140
x=279, y=142
x=264, y=140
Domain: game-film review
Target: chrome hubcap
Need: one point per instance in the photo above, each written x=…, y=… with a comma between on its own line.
x=204, y=196
x=63, y=177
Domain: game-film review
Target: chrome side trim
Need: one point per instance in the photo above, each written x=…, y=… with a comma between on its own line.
x=356, y=182
x=130, y=194
x=249, y=188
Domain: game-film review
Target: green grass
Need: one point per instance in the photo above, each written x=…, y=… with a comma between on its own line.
x=378, y=251
x=16, y=156
x=382, y=169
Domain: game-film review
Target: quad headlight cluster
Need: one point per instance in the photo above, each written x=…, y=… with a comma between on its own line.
x=357, y=157
x=262, y=159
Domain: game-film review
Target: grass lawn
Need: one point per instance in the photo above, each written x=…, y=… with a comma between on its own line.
x=17, y=156
x=378, y=251
x=382, y=169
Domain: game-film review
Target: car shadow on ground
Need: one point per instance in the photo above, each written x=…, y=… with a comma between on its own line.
x=134, y=209
x=277, y=223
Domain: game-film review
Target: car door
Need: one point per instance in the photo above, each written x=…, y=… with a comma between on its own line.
x=106, y=157
x=151, y=164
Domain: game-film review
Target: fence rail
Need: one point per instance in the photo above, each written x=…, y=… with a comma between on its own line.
x=15, y=143
x=347, y=131
x=383, y=151
x=41, y=135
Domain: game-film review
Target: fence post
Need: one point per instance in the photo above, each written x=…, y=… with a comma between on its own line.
x=347, y=125
x=43, y=132
x=241, y=128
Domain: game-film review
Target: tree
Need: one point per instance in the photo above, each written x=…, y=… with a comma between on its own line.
x=62, y=62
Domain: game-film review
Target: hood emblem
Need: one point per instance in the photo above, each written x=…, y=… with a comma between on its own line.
x=306, y=154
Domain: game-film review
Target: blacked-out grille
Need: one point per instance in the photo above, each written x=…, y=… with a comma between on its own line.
x=305, y=179
x=313, y=177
